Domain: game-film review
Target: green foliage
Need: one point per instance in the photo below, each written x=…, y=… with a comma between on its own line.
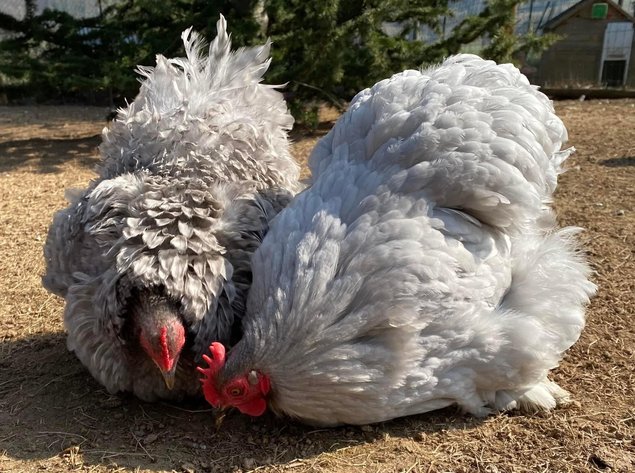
x=329, y=50
x=505, y=45
x=93, y=59
x=53, y=52
x=324, y=50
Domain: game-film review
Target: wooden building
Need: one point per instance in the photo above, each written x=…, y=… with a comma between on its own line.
x=596, y=49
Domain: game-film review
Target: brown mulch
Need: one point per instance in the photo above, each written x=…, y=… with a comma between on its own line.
x=54, y=417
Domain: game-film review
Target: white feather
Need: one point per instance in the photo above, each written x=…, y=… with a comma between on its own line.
x=422, y=267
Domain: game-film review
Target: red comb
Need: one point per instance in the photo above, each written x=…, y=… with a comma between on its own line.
x=166, y=359
x=218, y=352
x=214, y=363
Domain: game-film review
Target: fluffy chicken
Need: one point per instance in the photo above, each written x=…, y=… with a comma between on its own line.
x=153, y=257
x=422, y=268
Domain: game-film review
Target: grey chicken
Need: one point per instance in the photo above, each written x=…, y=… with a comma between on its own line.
x=153, y=258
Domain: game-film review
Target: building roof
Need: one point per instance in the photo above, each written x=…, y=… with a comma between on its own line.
x=565, y=15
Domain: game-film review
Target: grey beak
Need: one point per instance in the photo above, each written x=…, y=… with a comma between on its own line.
x=169, y=377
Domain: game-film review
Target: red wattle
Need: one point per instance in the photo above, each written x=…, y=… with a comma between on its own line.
x=254, y=408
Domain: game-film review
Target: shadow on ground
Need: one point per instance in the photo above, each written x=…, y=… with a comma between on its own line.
x=50, y=407
x=619, y=162
x=48, y=155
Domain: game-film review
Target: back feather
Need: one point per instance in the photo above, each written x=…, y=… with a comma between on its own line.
x=471, y=134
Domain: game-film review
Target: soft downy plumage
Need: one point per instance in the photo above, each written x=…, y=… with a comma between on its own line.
x=422, y=267
x=191, y=173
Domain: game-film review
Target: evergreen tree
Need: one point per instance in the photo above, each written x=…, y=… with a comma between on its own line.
x=93, y=59
x=505, y=44
x=334, y=48
x=323, y=50
x=331, y=49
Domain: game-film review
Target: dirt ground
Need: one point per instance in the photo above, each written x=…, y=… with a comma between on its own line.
x=54, y=417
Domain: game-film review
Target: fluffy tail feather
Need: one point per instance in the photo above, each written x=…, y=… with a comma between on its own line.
x=201, y=80
x=195, y=110
x=221, y=67
x=541, y=316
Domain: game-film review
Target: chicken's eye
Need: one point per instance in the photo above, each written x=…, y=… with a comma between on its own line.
x=236, y=391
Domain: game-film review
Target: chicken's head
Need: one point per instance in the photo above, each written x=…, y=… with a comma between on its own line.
x=161, y=334
x=245, y=391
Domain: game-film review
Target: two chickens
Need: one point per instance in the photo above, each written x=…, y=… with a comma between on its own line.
x=421, y=268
